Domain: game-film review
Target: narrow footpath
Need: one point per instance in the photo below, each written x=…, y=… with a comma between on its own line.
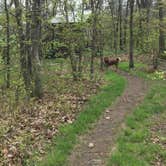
x=104, y=133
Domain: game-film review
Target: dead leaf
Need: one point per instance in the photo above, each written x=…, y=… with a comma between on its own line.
x=107, y=118
x=91, y=145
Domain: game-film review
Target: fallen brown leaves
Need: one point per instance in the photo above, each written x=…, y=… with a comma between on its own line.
x=158, y=136
x=27, y=132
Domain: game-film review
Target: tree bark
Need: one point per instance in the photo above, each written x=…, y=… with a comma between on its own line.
x=161, y=31
x=120, y=25
x=36, y=47
x=140, y=33
x=114, y=24
x=21, y=36
x=28, y=44
x=94, y=35
x=131, y=60
x=125, y=24
x=7, y=58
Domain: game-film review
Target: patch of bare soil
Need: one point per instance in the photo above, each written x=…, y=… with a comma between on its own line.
x=158, y=136
x=96, y=145
x=27, y=132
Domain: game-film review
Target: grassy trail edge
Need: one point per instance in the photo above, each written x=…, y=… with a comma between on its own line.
x=68, y=136
x=133, y=147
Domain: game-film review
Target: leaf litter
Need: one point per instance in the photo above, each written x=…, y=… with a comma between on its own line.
x=27, y=132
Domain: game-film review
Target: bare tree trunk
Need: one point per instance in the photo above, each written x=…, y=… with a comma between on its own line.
x=125, y=25
x=80, y=64
x=114, y=24
x=7, y=57
x=101, y=47
x=28, y=46
x=155, y=59
x=94, y=35
x=36, y=47
x=73, y=61
x=131, y=60
x=161, y=31
x=23, y=60
x=54, y=8
x=148, y=8
x=140, y=33
x=120, y=24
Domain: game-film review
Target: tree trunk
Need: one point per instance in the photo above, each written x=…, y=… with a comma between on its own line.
x=23, y=60
x=80, y=64
x=36, y=47
x=114, y=24
x=131, y=60
x=120, y=25
x=140, y=33
x=28, y=46
x=148, y=5
x=125, y=25
x=161, y=31
x=7, y=57
x=101, y=47
x=94, y=35
x=116, y=36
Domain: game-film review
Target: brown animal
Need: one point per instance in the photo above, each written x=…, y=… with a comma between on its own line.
x=110, y=62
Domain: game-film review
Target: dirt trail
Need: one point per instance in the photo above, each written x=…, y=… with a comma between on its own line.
x=104, y=132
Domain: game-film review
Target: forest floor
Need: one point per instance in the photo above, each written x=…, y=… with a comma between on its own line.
x=93, y=139
x=28, y=128
x=97, y=144
x=70, y=109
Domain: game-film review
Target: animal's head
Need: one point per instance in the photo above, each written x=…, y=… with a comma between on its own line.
x=106, y=59
x=118, y=59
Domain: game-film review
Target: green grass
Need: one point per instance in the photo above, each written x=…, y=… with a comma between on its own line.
x=139, y=71
x=68, y=135
x=125, y=66
x=136, y=71
x=133, y=147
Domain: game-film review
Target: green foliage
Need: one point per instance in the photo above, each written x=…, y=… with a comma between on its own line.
x=73, y=40
x=55, y=49
x=146, y=33
x=158, y=75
